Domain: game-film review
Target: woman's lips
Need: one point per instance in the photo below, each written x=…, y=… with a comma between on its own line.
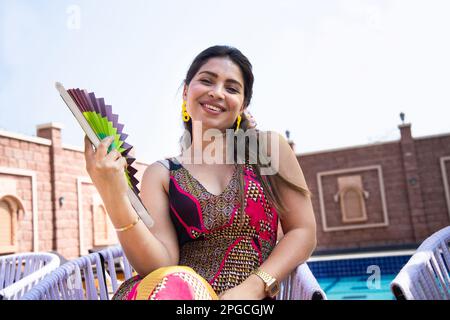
x=209, y=110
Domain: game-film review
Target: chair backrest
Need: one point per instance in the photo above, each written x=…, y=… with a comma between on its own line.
x=426, y=276
x=77, y=279
x=112, y=257
x=20, y=272
x=65, y=282
x=90, y=277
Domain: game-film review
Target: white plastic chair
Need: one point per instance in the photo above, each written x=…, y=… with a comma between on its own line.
x=301, y=284
x=20, y=272
x=426, y=276
x=90, y=277
x=111, y=257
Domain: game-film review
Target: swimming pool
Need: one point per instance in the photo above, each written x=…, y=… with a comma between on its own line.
x=358, y=276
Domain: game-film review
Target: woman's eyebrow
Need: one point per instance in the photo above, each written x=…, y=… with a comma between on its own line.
x=215, y=76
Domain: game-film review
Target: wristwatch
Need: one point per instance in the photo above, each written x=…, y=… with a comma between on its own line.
x=272, y=286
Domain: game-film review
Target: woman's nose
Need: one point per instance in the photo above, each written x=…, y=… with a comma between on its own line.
x=217, y=92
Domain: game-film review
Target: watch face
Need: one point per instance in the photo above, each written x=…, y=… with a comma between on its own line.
x=274, y=288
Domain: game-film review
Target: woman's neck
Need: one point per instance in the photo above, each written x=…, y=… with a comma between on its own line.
x=208, y=147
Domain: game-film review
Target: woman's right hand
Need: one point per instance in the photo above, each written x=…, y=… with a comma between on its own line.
x=107, y=170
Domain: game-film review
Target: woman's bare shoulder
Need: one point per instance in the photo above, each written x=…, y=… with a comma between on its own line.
x=158, y=172
x=270, y=141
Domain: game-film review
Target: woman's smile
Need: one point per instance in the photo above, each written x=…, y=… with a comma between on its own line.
x=211, y=109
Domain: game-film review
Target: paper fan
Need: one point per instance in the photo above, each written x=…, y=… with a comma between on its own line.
x=98, y=122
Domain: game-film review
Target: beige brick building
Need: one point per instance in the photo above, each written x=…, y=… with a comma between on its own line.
x=47, y=199
x=391, y=194
x=385, y=195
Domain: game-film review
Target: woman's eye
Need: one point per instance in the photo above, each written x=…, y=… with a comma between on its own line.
x=230, y=89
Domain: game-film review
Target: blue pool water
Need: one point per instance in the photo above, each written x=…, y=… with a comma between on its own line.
x=358, y=278
x=357, y=288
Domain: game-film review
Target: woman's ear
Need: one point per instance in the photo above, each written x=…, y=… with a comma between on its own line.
x=185, y=92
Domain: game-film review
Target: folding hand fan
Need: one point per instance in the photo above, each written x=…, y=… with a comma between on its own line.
x=98, y=122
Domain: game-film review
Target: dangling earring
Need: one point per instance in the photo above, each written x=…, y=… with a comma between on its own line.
x=238, y=123
x=184, y=112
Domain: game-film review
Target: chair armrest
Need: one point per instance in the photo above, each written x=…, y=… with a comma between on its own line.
x=301, y=285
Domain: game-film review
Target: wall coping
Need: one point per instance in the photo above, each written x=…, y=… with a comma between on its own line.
x=23, y=137
x=55, y=125
x=432, y=136
x=346, y=148
x=46, y=142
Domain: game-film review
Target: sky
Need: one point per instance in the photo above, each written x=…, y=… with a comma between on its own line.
x=335, y=73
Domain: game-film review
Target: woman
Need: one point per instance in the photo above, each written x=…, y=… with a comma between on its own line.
x=219, y=219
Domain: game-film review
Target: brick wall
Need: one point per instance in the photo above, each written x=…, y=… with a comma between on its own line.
x=23, y=157
x=57, y=169
x=413, y=187
x=429, y=152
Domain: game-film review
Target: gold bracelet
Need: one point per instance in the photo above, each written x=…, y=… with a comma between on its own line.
x=131, y=225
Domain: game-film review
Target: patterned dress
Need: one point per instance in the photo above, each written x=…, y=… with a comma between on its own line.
x=215, y=239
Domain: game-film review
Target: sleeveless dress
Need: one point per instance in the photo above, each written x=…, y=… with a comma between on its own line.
x=215, y=239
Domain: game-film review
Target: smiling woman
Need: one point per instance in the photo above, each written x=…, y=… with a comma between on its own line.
x=216, y=89
x=219, y=220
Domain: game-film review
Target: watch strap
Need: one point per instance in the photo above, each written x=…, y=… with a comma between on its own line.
x=264, y=276
x=269, y=282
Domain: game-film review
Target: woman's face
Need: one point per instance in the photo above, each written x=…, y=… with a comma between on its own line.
x=215, y=95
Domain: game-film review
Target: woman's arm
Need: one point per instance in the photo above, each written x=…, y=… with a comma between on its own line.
x=146, y=249
x=149, y=250
x=299, y=228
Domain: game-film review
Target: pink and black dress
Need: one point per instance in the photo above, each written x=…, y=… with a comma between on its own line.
x=215, y=239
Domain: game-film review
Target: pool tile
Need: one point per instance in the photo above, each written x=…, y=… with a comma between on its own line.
x=347, y=279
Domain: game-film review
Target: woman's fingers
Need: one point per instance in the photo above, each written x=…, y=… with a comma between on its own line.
x=96, y=157
x=88, y=152
x=87, y=146
x=113, y=155
x=100, y=157
x=120, y=164
x=123, y=162
x=102, y=149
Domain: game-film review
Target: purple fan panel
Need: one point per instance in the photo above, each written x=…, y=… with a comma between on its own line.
x=87, y=101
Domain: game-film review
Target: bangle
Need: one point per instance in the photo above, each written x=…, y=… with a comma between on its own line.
x=131, y=225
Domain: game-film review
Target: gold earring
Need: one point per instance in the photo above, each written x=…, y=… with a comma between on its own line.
x=239, y=118
x=184, y=112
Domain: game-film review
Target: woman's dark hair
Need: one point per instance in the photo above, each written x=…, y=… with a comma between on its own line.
x=245, y=66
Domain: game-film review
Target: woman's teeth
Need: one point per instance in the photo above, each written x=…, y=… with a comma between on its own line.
x=210, y=107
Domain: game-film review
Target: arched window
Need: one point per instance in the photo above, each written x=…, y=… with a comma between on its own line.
x=104, y=233
x=351, y=197
x=352, y=205
x=8, y=226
